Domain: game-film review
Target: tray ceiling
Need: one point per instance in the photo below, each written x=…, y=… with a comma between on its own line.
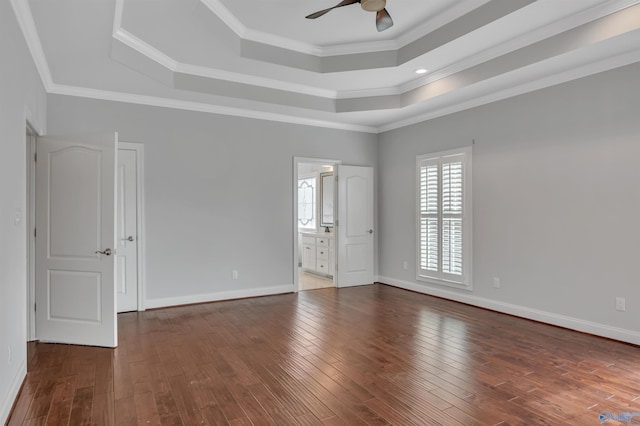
x=262, y=59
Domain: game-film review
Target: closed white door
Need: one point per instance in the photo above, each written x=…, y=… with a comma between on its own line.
x=355, y=226
x=127, y=234
x=75, y=240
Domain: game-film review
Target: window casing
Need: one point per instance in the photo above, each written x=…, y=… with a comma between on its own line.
x=443, y=198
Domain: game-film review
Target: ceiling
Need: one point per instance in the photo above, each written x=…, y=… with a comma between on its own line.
x=263, y=59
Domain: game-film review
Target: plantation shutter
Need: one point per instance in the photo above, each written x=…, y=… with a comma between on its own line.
x=441, y=222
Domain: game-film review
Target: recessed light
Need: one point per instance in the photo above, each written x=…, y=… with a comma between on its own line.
x=421, y=71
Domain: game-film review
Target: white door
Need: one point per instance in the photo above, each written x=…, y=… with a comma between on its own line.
x=75, y=236
x=127, y=234
x=355, y=226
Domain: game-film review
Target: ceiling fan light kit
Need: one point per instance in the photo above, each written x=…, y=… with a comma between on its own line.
x=383, y=19
x=373, y=5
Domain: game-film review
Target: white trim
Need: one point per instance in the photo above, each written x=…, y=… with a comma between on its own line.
x=577, y=324
x=22, y=10
x=218, y=296
x=253, y=80
x=140, y=200
x=105, y=95
x=30, y=221
x=142, y=47
x=7, y=404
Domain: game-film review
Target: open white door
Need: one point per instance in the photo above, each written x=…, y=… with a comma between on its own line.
x=75, y=240
x=355, y=226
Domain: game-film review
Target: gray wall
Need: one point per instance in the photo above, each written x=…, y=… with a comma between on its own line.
x=556, y=204
x=22, y=96
x=219, y=192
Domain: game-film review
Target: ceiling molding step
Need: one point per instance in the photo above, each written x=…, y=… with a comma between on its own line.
x=144, y=48
x=238, y=90
x=254, y=80
x=123, y=53
x=580, y=26
x=153, y=101
x=319, y=64
x=382, y=55
x=560, y=46
x=515, y=85
x=466, y=24
x=146, y=59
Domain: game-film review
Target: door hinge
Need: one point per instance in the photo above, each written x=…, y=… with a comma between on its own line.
x=35, y=307
x=34, y=232
x=35, y=157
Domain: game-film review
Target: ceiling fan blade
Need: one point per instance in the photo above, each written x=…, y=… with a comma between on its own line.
x=322, y=12
x=383, y=20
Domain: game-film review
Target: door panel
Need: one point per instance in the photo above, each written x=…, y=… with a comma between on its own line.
x=355, y=226
x=75, y=220
x=127, y=258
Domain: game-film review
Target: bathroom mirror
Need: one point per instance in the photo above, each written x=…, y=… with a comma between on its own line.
x=326, y=199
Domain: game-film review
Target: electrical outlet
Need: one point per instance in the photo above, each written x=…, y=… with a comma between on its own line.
x=496, y=282
x=234, y=274
x=405, y=265
x=621, y=304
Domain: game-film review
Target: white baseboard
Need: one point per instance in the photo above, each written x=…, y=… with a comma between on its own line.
x=603, y=330
x=214, y=297
x=12, y=394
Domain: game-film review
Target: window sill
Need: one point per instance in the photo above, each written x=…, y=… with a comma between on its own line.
x=445, y=283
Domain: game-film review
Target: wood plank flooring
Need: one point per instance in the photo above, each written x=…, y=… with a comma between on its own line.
x=372, y=355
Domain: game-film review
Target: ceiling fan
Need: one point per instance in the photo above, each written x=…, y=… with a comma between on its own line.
x=383, y=20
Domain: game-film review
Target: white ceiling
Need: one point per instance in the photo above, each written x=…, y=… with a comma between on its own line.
x=262, y=59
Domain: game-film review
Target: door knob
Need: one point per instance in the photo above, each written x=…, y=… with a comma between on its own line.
x=370, y=231
x=106, y=252
x=129, y=238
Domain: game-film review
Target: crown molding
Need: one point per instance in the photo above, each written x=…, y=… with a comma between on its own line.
x=22, y=11
x=154, y=101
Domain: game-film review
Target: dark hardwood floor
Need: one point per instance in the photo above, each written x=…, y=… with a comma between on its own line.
x=366, y=355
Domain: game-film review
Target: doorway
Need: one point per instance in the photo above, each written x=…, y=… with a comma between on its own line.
x=129, y=276
x=130, y=190
x=314, y=212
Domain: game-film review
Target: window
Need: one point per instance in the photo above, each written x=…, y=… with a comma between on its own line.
x=307, y=203
x=444, y=217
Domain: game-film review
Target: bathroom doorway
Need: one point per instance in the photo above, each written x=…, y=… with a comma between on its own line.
x=314, y=211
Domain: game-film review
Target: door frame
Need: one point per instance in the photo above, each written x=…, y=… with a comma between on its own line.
x=30, y=145
x=141, y=238
x=296, y=162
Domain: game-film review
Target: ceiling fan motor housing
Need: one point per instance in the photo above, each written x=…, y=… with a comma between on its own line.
x=373, y=5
